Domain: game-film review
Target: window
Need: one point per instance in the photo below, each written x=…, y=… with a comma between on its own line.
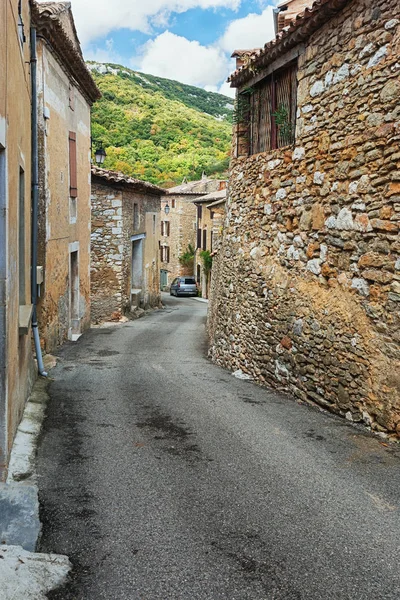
x=172, y=202
x=165, y=228
x=73, y=185
x=198, y=238
x=21, y=238
x=199, y=211
x=204, y=239
x=135, y=216
x=164, y=254
x=154, y=224
x=270, y=110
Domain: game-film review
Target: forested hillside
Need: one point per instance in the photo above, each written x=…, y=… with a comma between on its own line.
x=157, y=129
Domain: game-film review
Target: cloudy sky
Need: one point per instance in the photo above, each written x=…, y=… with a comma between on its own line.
x=187, y=40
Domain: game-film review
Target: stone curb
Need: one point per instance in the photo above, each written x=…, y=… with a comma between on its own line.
x=24, y=574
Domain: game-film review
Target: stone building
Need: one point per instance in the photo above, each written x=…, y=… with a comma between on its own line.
x=125, y=271
x=307, y=292
x=178, y=228
x=16, y=362
x=66, y=92
x=208, y=220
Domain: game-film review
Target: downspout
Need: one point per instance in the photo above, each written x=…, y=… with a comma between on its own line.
x=35, y=204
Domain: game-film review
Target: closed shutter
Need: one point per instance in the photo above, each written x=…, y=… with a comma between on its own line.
x=162, y=227
x=167, y=257
x=73, y=182
x=168, y=227
x=198, y=238
x=204, y=239
x=162, y=253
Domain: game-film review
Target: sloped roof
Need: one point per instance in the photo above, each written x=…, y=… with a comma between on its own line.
x=298, y=31
x=55, y=23
x=212, y=197
x=117, y=178
x=190, y=187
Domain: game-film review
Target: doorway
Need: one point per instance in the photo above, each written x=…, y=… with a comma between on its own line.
x=74, y=293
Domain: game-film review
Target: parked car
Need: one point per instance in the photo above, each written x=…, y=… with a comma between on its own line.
x=183, y=286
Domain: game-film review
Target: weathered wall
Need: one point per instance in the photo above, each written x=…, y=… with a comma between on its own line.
x=16, y=362
x=112, y=229
x=307, y=283
x=60, y=229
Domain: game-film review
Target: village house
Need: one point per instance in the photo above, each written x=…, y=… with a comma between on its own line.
x=17, y=372
x=210, y=209
x=306, y=294
x=125, y=271
x=66, y=91
x=179, y=227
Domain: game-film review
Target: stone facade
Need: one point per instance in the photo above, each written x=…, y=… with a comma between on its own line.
x=210, y=209
x=182, y=220
x=64, y=101
x=16, y=362
x=125, y=271
x=177, y=237
x=306, y=292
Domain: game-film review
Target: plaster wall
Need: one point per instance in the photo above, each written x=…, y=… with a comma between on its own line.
x=306, y=291
x=16, y=361
x=64, y=222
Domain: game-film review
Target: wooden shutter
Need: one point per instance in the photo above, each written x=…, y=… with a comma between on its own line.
x=286, y=96
x=168, y=227
x=167, y=252
x=199, y=237
x=73, y=181
x=204, y=239
x=162, y=228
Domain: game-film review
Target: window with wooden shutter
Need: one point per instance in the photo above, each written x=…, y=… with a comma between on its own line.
x=167, y=223
x=73, y=180
x=167, y=254
x=272, y=110
x=204, y=239
x=198, y=238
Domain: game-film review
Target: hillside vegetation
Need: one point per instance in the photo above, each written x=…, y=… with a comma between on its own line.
x=160, y=130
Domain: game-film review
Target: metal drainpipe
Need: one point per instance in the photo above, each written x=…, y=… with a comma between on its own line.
x=35, y=203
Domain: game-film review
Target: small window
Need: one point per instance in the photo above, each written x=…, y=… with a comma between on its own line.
x=172, y=202
x=135, y=216
x=73, y=180
x=199, y=211
x=164, y=254
x=21, y=238
x=199, y=238
x=165, y=228
x=269, y=111
x=154, y=224
x=204, y=239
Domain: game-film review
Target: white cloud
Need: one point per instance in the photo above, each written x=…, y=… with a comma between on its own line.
x=252, y=31
x=96, y=18
x=103, y=55
x=175, y=57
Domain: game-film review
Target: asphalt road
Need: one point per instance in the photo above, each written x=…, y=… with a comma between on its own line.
x=163, y=477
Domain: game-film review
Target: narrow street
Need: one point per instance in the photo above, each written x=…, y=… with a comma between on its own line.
x=164, y=477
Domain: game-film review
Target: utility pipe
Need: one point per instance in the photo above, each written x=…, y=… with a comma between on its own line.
x=35, y=203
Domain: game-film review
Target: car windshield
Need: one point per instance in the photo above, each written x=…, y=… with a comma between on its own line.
x=190, y=281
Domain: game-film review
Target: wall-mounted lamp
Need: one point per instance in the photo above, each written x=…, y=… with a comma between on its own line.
x=167, y=209
x=100, y=155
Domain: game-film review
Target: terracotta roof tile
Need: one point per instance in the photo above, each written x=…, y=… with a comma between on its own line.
x=115, y=177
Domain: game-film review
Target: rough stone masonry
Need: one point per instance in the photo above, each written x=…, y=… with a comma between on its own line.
x=306, y=285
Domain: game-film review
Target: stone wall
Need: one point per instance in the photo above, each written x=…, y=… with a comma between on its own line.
x=113, y=225
x=306, y=286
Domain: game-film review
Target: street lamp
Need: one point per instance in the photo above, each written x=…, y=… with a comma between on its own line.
x=167, y=208
x=100, y=155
